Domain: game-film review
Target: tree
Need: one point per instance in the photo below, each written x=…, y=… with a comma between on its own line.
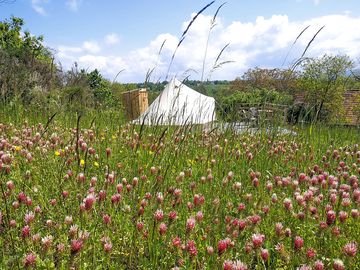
x=25, y=63
x=324, y=81
x=100, y=89
x=95, y=79
x=281, y=80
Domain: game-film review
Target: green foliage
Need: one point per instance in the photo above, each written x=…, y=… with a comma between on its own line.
x=304, y=113
x=353, y=82
x=25, y=63
x=324, y=81
x=357, y=110
x=230, y=105
x=258, y=96
x=76, y=97
x=58, y=171
x=281, y=80
x=89, y=90
x=76, y=94
x=217, y=89
x=28, y=75
x=102, y=94
x=95, y=80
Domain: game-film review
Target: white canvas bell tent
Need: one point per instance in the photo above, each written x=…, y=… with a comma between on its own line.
x=179, y=105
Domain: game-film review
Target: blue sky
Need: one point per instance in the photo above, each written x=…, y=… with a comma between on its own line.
x=114, y=35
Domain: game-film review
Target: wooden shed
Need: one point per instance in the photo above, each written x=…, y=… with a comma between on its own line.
x=352, y=107
x=135, y=102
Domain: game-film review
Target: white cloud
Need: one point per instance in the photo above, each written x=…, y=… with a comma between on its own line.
x=91, y=46
x=67, y=52
x=111, y=39
x=93, y=61
x=73, y=4
x=66, y=49
x=109, y=65
x=263, y=42
x=339, y=36
x=37, y=5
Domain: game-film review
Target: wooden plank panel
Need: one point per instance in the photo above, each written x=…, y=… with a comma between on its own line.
x=135, y=102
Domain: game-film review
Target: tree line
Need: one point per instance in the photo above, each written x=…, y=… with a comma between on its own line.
x=30, y=75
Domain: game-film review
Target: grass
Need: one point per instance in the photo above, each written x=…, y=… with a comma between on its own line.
x=203, y=176
x=86, y=190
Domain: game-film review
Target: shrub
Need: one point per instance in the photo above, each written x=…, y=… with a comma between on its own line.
x=229, y=106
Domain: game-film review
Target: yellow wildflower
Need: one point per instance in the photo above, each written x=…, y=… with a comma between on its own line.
x=82, y=162
x=96, y=164
x=57, y=153
x=191, y=162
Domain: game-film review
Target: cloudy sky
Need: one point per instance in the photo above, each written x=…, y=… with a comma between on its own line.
x=127, y=35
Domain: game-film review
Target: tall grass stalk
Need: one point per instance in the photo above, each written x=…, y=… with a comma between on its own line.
x=183, y=36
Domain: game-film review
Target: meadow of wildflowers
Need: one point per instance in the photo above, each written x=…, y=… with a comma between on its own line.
x=121, y=197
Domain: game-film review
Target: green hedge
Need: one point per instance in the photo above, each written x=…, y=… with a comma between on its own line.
x=229, y=106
